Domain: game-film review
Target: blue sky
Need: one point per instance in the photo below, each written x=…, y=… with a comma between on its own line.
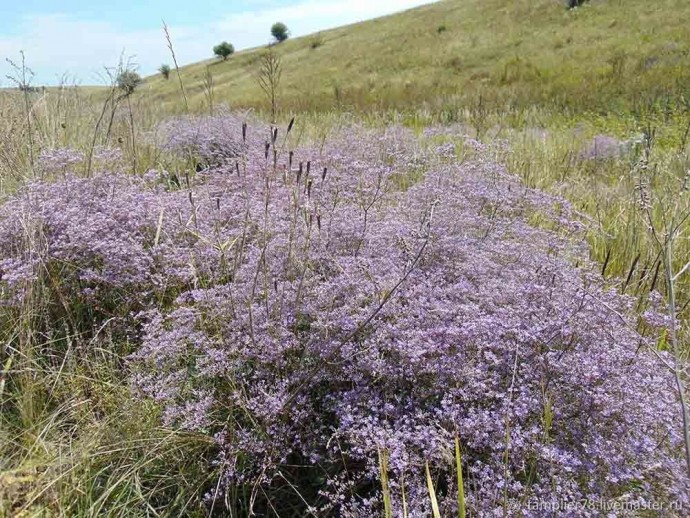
x=78, y=38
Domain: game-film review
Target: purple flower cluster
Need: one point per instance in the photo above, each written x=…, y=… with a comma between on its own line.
x=210, y=141
x=605, y=147
x=60, y=160
x=65, y=161
x=108, y=157
x=310, y=309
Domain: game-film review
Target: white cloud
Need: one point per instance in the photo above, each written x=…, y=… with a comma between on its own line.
x=60, y=43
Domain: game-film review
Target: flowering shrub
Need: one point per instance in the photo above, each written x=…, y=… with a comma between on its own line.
x=59, y=160
x=210, y=141
x=66, y=160
x=605, y=147
x=311, y=310
x=108, y=157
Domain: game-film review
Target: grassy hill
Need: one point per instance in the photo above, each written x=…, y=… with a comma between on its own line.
x=623, y=56
x=136, y=252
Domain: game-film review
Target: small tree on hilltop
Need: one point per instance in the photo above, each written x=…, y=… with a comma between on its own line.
x=280, y=31
x=223, y=50
x=165, y=71
x=128, y=81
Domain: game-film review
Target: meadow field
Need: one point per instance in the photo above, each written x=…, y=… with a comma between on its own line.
x=432, y=264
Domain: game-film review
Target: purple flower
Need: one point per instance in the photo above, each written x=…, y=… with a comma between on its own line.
x=306, y=323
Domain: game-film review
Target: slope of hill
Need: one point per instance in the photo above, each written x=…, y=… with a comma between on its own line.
x=624, y=56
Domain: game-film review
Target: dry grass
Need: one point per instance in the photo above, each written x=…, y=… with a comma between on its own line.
x=609, y=56
x=74, y=443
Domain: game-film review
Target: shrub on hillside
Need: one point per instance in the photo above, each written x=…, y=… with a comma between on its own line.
x=280, y=31
x=128, y=81
x=165, y=71
x=90, y=242
x=316, y=42
x=209, y=141
x=224, y=50
x=60, y=160
x=363, y=319
x=306, y=314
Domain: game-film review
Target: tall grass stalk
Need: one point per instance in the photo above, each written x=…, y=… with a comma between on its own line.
x=461, y=486
x=385, y=484
x=403, y=497
x=209, y=89
x=674, y=217
x=168, y=38
x=22, y=79
x=270, y=73
x=110, y=100
x=436, y=513
x=678, y=365
x=132, y=134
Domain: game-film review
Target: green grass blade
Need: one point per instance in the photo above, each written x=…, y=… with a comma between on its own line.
x=432, y=494
x=385, y=485
x=461, y=488
x=404, y=499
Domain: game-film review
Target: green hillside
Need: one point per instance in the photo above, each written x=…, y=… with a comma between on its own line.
x=453, y=272
x=625, y=56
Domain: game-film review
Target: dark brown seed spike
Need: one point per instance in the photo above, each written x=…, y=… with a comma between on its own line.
x=606, y=262
x=292, y=121
x=656, y=276
x=630, y=273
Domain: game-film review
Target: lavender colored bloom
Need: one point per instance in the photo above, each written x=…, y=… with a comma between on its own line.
x=604, y=147
x=211, y=141
x=306, y=322
x=60, y=160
